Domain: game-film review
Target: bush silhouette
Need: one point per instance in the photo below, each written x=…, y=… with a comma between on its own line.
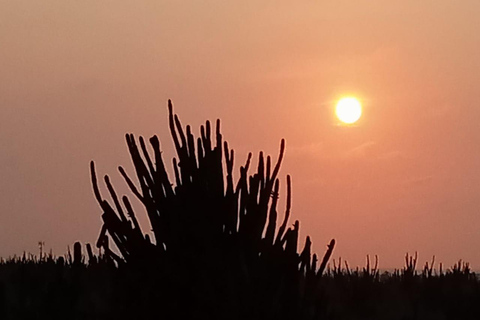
x=216, y=251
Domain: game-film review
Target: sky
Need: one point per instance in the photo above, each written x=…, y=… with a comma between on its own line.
x=76, y=76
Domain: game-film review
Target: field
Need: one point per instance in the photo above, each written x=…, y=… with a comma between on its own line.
x=62, y=287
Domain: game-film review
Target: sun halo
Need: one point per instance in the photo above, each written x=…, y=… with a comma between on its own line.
x=348, y=110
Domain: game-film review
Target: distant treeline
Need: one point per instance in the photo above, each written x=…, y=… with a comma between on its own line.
x=215, y=251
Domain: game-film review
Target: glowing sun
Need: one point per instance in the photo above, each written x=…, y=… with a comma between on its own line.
x=348, y=110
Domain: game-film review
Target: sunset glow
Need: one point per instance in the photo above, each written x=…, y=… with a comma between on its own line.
x=401, y=173
x=348, y=110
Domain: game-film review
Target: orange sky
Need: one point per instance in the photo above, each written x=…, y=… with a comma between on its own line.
x=75, y=76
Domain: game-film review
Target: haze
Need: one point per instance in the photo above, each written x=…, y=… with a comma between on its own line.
x=76, y=76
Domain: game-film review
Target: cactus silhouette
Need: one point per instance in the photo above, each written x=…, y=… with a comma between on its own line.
x=219, y=236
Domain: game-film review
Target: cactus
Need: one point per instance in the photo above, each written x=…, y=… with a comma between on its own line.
x=207, y=222
x=428, y=269
x=410, y=265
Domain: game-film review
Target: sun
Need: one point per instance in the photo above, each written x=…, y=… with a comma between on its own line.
x=348, y=110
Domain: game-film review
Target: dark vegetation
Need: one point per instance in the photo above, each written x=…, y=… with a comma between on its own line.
x=216, y=250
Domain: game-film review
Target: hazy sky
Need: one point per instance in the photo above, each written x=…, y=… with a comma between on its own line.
x=75, y=76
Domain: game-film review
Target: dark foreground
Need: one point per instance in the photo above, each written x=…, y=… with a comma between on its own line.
x=59, y=288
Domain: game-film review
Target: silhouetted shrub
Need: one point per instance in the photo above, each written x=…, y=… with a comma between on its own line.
x=216, y=249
